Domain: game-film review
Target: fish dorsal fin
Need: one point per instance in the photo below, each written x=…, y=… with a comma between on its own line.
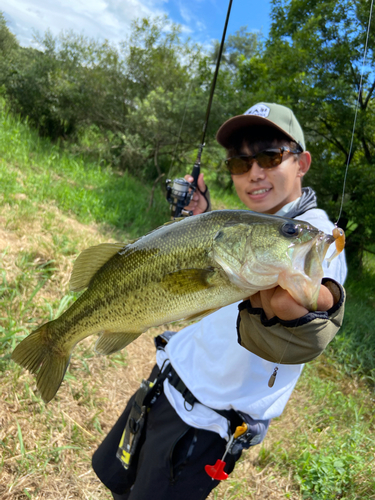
x=93, y=258
x=89, y=262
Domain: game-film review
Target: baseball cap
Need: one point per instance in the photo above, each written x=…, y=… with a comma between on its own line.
x=263, y=113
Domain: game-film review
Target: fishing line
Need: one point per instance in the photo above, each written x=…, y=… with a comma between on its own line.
x=356, y=113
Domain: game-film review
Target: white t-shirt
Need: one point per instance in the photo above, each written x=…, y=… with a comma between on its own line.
x=224, y=375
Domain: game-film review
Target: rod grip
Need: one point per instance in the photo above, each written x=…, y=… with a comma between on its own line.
x=195, y=173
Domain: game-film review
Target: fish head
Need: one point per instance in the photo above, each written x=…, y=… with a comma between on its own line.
x=274, y=251
x=303, y=277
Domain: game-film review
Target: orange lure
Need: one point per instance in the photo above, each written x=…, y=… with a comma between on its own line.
x=339, y=236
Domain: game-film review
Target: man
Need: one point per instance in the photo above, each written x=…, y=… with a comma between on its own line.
x=232, y=367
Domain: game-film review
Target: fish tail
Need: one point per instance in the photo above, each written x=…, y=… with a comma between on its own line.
x=37, y=354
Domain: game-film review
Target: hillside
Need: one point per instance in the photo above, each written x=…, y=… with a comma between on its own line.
x=321, y=448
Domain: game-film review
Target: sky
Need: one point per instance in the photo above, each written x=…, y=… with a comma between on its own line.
x=202, y=20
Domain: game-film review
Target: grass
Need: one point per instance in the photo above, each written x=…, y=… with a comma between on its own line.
x=354, y=346
x=46, y=448
x=331, y=447
x=53, y=206
x=33, y=170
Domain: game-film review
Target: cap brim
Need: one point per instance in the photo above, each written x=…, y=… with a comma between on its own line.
x=235, y=123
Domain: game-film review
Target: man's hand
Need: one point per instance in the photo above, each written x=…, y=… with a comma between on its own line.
x=278, y=302
x=198, y=203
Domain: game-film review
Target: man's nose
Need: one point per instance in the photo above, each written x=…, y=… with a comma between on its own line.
x=256, y=172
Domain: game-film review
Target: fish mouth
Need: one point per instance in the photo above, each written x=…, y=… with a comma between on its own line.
x=307, y=271
x=317, y=253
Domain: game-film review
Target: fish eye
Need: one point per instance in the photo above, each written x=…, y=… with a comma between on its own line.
x=290, y=230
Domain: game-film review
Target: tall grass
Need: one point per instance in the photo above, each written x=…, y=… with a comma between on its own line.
x=330, y=446
x=354, y=345
x=32, y=170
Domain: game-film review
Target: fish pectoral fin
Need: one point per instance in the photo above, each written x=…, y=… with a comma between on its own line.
x=110, y=342
x=185, y=280
x=90, y=261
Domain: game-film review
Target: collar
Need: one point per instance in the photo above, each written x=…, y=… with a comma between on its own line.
x=301, y=205
x=288, y=207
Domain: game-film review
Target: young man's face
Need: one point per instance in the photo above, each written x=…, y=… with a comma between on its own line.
x=268, y=190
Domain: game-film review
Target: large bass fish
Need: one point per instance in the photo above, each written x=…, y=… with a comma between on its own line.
x=182, y=270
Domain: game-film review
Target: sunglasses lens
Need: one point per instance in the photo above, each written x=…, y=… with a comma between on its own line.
x=238, y=166
x=266, y=159
x=269, y=159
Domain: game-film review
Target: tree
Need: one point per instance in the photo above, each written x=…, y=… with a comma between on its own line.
x=70, y=83
x=164, y=118
x=145, y=101
x=8, y=50
x=8, y=42
x=312, y=62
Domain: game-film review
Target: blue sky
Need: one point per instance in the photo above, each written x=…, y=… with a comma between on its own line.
x=202, y=20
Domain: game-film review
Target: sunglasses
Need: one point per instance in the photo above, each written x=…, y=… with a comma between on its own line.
x=268, y=158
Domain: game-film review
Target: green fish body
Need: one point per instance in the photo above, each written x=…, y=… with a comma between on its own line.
x=183, y=270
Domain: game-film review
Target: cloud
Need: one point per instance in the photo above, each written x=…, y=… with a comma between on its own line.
x=201, y=26
x=109, y=19
x=193, y=22
x=185, y=13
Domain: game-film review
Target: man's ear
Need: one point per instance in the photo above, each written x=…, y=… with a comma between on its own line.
x=304, y=162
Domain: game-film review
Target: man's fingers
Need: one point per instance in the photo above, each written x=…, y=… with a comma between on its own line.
x=198, y=203
x=325, y=299
x=278, y=302
x=285, y=307
x=201, y=184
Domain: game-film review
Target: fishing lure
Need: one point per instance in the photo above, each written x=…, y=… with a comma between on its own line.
x=339, y=236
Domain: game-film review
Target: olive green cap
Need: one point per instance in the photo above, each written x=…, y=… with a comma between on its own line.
x=263, y=113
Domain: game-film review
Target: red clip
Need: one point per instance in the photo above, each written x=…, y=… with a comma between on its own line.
x=217, y=471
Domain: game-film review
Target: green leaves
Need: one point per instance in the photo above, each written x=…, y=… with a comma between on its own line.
x=141, y=106
x=313, y=60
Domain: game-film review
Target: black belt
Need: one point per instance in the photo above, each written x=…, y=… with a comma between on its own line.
x=176, y=382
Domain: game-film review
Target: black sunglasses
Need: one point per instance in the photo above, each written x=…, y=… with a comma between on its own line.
x=268, y=158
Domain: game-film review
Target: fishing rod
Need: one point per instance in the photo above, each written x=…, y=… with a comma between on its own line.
x=180, y=191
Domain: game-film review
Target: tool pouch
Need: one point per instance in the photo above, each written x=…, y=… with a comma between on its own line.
x=133, y=430
x=255, y=433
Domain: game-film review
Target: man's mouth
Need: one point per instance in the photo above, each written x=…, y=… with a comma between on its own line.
x=260, y=191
